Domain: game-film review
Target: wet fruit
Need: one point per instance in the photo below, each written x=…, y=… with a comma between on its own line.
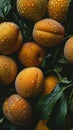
x=29, y=82
x=48, y=32
x=17, y=110
x=68, y=50
x=50, y=83
x=8, y=70
x=31, y=54
x=58, y=9
x=32, y=9
x=10, y=37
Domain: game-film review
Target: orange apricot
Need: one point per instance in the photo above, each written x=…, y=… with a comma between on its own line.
x=48, y=32
x=68, y=50
x=17, y=110
x=31, y=54
x=29, y=82
x=50, y=83
x=10, y=37
x=8, y=70
x=58, y=9
x=32, y=9
x=41, y=125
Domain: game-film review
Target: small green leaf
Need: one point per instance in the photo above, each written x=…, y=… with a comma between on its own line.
x=62, y=79
x=46, y=104
x=58, y=68
x=6, y=10
x=5, y=7
x=62, y=61
x=1, y=120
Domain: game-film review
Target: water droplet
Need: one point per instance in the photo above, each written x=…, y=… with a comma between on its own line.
x=12, y=25
x=22, y=11
x=24, y=111
x=5, y=37
x=6, y=66
x=2, y=40
x=41, y=36
x=22, y=6
x=28, y=5
x=32, y=4
x=32, y=81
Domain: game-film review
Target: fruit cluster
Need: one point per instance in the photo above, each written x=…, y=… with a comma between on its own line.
x=31, y=81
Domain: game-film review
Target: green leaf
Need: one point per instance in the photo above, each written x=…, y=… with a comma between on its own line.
x=5, y=7
x=6, y=10
x=62, y=79
x=62, y=61
x=58, y=68
x=45, y=60
x=25, y=26
x=1, y=120
x=46, y=104
x=58, y=117
x=71, y=105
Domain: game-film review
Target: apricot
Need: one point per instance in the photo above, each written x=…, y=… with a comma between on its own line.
x=29, y=82
x=50, y=83
x=31, y=54
x=16, y=47
x=8, y=70
x=58, y=9
x=17, y=110
x=68, y=50
x=42, y=125
x=32, y=9
x=48, y=32
x=10, y=37
x=71, y=128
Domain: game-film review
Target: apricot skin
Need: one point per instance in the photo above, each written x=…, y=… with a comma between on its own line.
x=10, y=37
x=41, y=125
x=50, y=83
x=17, y=110
x=16, y=47
x=29, y=82
x=68, y=50
x=8, y=70
x=48, y=32
x=58, y=9
x=33, y=10
x=31, y=54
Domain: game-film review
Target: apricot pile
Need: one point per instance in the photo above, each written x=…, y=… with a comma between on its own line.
x=26, y=75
